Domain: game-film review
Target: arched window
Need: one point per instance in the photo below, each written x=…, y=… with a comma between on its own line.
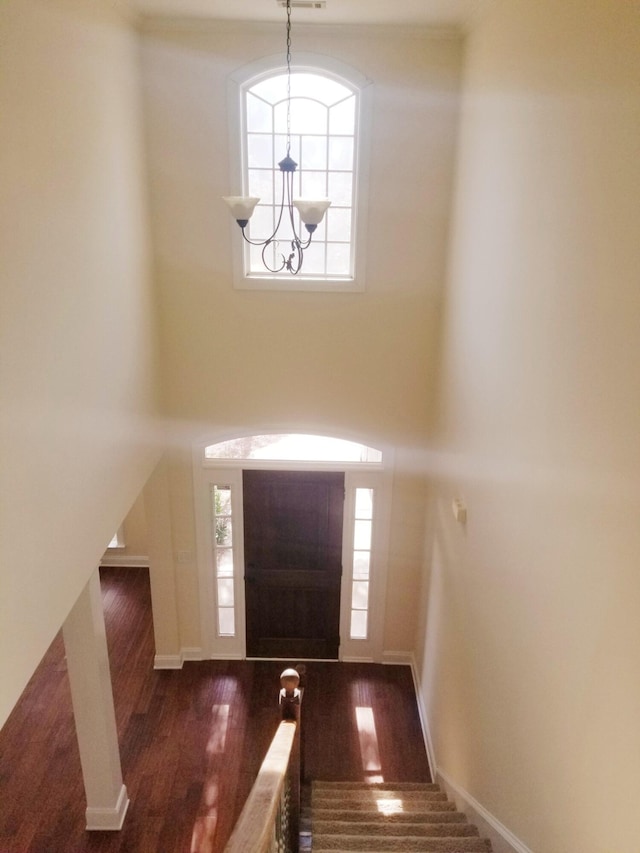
x=326, y=134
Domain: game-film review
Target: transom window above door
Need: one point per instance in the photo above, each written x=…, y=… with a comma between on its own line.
x=294, y=447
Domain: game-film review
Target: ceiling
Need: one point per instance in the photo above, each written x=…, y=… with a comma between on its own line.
x=434, y=13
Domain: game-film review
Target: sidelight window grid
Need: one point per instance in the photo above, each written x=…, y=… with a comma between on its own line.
x=222, y=536
x=361, y=576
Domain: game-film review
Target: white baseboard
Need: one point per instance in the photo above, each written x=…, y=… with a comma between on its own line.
x=176, y=661
x=399, y=658
x=355, y=659
x=502, y=839
x=168, y=661
x=192, y=653
x=108, y=819
x=234, y=656
x=133, y=562
x=424, y=722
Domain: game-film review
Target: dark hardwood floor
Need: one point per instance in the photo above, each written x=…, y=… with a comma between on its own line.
x=191, y=740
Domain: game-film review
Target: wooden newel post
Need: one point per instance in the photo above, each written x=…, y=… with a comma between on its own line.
x=290, y=698
x=290, y=695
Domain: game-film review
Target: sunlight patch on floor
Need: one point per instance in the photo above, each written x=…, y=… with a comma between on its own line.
x=368, y=739
x=204, y=830
x=219, y=727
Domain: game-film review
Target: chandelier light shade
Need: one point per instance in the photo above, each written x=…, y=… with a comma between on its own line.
x=241, y=207
x=311, y=212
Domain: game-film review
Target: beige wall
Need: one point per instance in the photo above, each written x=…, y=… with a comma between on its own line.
x=360, y=365
x=532, y=637
x=349, y=362
x=77, y=349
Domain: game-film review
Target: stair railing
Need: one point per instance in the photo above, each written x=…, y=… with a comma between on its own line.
x=270, y=819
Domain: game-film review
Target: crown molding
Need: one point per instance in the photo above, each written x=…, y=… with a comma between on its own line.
x=159, y=24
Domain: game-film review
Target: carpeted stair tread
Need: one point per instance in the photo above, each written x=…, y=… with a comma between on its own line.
x=391, y=829
x=374, y=796
x=389, y=816
x=406, y=844
x=384, y=804
x=375, y=786
x=413, y=816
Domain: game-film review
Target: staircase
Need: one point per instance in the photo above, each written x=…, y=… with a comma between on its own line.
x=396, y=816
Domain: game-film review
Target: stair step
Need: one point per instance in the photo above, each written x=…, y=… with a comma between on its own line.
x=450, y=815
x=376, y=786
x=391, y=829
x=389, y=816
x=386, y=804
x=406, y=844
x=375, y=794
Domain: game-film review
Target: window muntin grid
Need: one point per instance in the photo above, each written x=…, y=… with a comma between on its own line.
x=222, y=536
x=323, y=143
x=361, y=576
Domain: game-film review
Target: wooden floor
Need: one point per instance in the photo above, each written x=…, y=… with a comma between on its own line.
x=191, y=740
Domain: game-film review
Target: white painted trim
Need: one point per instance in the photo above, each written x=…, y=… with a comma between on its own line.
x=168, y=661
x=424, y=722
x=192, y=653
x=108, y=819
x=126, y=562
x=176, y=661
x=158, y=24
x=502, y=839
x=231, y=656
x=398, y=658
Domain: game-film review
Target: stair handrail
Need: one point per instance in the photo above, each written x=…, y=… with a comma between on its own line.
x=269, y=820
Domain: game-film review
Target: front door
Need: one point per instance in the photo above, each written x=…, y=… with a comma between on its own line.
x=293, y=562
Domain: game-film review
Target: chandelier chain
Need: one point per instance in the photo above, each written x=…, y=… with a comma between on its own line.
x=298, y=212
x=288, y=77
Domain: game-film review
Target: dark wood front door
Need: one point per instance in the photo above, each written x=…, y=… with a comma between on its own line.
x=293, y=562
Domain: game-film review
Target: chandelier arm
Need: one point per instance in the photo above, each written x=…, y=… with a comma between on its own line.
x=266, y=263
x=266, y=243
x=271, y=239
x=291, y=209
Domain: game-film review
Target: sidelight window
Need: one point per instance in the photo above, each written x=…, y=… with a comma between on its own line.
x=362, y=539
x=222, y=528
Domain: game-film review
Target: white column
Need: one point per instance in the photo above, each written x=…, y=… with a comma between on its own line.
x=88, y=666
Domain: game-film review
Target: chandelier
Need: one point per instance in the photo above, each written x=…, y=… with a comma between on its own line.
x=311, y=212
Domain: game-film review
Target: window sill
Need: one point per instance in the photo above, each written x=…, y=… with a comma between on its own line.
x=300, y=283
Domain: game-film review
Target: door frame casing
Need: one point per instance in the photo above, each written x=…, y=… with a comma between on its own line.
x=207, y=472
